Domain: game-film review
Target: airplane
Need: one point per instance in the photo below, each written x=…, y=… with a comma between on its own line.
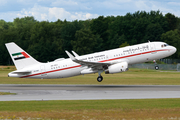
x=110, y=61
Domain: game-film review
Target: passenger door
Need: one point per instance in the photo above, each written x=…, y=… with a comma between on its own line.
x=153, y=48
x=43, y=72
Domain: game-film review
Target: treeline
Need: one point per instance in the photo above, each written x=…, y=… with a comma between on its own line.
x=47, y=41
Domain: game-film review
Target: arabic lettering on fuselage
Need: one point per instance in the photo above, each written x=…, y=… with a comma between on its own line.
x=129, y=50
x=139, y=48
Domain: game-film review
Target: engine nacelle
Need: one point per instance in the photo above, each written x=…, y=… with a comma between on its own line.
x=117, y=68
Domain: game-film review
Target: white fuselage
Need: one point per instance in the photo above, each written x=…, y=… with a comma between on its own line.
x=132, y=54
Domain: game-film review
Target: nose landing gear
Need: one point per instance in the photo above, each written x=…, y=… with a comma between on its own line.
x=99, y=78
x=156, y=66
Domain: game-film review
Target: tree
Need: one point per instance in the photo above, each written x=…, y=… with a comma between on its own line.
x=153, y=32
x=173, y=38
x=47, y=41
x=124, y=45
x=100, y=26
x=86, y=42
x=172, y=21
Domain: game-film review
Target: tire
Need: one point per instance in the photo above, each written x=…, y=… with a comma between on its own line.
x=99, y=79
x=156, y=67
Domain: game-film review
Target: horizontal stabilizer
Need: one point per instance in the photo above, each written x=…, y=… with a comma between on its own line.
x=21, y=72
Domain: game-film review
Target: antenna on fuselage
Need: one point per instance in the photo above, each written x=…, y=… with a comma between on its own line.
x=149, y=41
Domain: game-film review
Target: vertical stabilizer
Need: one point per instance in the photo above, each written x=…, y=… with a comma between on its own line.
x=20, y=58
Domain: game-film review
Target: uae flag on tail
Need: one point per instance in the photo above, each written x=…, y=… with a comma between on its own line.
x=20, y=55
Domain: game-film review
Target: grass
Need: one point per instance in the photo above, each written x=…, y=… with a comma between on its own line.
x=7, y=93
x=95, y=109
x=131, y=77
x=92, y=109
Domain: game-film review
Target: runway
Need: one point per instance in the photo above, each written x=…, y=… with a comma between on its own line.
x=87, y=92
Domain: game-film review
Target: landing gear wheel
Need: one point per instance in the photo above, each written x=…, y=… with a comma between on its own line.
x=156, y=67
x=100, y=78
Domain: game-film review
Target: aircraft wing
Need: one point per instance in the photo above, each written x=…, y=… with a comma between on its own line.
x=95, y=65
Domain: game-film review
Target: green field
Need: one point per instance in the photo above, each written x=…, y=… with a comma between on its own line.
x=96, y=109
x=92, y=109
x=131, y=77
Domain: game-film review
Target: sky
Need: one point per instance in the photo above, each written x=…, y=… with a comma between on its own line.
x=52, y=10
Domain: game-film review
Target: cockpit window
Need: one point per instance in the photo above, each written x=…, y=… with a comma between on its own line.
x=164, y=45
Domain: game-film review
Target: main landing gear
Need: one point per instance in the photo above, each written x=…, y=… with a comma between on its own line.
x=100, y=78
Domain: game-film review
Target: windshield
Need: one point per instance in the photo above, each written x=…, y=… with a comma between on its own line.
x=164, y=45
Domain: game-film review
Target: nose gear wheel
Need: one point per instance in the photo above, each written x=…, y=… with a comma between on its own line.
x=99, y=78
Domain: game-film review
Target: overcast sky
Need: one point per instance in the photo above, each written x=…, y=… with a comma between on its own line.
x=51, y=10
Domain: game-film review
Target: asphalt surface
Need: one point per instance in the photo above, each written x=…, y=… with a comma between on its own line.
x=87, y=92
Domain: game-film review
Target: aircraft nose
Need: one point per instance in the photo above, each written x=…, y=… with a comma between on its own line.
x=174, y=49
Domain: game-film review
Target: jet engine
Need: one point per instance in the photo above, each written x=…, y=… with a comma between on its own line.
x=117, y=68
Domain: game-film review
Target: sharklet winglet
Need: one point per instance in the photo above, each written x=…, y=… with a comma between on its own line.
x=70, y=56
x=75, y=54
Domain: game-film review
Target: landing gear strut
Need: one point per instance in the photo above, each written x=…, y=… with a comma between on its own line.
x=100, y=78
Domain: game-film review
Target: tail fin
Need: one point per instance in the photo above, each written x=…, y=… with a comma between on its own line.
x=20, y=58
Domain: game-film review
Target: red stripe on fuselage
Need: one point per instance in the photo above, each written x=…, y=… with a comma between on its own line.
x=51, y=71
x=133, y=55
x=99, y=61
